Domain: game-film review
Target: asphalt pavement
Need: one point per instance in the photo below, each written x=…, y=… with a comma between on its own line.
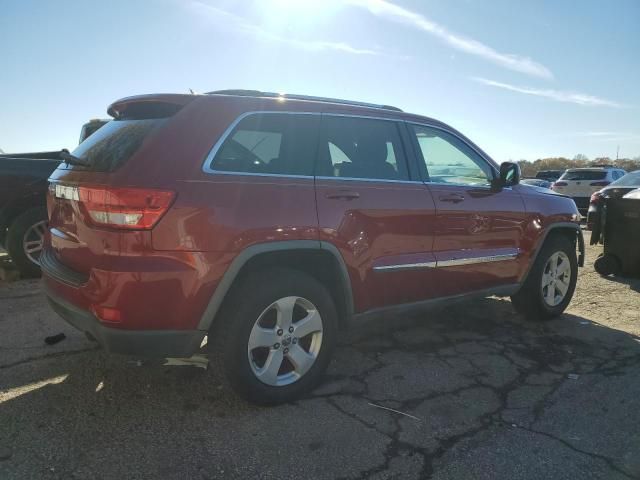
x=468, y=391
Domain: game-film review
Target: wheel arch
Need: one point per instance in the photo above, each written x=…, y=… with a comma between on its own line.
x=322, y=260
x=571, y=230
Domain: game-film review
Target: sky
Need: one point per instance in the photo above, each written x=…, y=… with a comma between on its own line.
x=522, y=79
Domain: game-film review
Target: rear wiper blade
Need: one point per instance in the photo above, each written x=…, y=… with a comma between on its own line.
x=70, y=159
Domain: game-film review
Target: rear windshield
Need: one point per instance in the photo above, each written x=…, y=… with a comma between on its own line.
x=629, y=180
x=113, y=144
x=585, y=175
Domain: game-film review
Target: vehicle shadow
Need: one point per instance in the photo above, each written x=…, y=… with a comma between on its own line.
x=456, y=371
x=632, y=280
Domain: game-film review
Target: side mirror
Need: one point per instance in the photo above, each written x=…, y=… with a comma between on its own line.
x=509, y=175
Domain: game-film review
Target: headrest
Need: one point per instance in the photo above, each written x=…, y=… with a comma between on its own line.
x=371, y=149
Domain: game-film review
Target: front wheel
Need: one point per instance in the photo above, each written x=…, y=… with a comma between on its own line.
x=548, y=289
x=275, y=335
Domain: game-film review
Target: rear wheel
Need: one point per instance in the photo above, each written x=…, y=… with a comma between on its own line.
x=275, y=335
x=551, y=282
x=25, y=240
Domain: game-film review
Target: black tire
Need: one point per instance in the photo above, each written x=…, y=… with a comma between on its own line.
x=607, y=264
x=15, y=238
x=529, y=300
x=229, y=337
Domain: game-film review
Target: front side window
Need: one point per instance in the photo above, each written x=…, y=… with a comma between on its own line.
x=447, y=159
x=272, y=143
x=361, y=148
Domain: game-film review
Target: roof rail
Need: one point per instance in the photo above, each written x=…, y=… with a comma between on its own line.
x=257, y=93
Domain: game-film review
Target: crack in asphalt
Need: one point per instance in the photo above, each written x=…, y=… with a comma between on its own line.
x=547, y=353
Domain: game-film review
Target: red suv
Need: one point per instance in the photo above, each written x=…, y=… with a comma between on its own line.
x=268, y=223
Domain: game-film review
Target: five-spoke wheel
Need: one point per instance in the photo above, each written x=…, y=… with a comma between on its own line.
x=285, y=341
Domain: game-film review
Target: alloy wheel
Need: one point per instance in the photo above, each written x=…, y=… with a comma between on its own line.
x=33, y=241
x=285, y=341
x=556, y=279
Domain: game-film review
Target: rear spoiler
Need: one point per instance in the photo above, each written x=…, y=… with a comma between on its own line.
x=149, y=106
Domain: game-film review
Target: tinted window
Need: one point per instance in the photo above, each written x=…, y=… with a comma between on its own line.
x=629, y=180
x=584, y=175
x=114, y=143
x=449, y=160
x=272, y=143
x=361, y=148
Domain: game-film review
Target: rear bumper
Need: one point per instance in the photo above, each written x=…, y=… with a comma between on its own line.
x=147, y=343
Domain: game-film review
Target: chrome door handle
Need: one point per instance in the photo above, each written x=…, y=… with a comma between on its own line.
x=453, y=198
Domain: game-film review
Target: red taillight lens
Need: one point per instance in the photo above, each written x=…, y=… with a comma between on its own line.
x=604, y=183
x=126, y=208
x=559, y=184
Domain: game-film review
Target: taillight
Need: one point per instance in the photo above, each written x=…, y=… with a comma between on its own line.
x=560, y=184
x=595, y=198
x=125, y=208
x=603, y=183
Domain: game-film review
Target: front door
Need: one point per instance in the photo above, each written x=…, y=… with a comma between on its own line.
x=478, y=228
x=381, y=221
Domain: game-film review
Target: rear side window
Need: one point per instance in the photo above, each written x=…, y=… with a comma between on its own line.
x=114, y=143
x=272, y=143
x=363, y=148
x=585, y=175
x=629, y=180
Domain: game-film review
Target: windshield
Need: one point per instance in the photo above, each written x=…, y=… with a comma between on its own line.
x=629, y=180
x=584, y=175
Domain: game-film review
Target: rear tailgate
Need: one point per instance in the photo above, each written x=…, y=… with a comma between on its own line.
x=581, y=183
x=96, y=219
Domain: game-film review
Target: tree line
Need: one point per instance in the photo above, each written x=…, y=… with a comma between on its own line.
x=529, y=169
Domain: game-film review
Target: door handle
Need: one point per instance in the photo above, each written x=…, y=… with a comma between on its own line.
x=343, y=195
x=452, y=197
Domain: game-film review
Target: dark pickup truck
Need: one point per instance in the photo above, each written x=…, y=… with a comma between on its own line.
x=23, y=207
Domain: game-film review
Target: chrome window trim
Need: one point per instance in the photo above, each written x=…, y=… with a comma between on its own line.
x=454, y=262
x=376, y=180
x=488, y=161
x=206, y=166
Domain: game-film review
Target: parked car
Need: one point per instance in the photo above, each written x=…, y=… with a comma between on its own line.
x=269, y=223
x=616, y=189
x=581, y=183
x=536, y=182
x=549, y=175
x=23, y=207
x=23, y=211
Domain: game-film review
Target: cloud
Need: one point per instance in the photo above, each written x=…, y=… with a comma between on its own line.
x=390, y=11
x=225, y=19
x=557, y=95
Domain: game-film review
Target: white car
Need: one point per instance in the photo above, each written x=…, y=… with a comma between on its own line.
x=581, y=183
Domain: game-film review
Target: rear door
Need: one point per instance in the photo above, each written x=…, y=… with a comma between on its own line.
x=478, y=229
x=379, y=217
